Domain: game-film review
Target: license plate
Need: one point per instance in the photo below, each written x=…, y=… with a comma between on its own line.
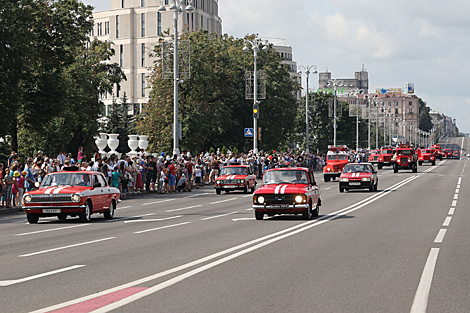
x=355, y=184
x=279, y=206
x=228, y=186
x=51, y=211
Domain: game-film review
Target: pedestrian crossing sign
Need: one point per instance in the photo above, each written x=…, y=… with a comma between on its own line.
x=248, y=132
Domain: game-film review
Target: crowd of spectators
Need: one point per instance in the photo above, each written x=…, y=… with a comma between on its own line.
x=141, y=173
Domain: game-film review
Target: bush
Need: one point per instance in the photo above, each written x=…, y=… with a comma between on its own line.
x=224, y=150
x=211, y=150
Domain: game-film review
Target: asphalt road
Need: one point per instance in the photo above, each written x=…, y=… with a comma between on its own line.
x=401, y=249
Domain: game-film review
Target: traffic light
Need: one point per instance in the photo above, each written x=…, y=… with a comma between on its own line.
x=255, y=110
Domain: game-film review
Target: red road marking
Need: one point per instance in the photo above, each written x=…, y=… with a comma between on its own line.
x=99, y=302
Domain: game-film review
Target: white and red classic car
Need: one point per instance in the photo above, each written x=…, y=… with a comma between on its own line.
x=287, y=191
x=358, y=176
x=71, y=193
x=235, y=177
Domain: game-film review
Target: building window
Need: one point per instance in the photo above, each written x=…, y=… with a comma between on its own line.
x=123, y=3
x=143, y=55
x=142, y=3
x=143, y=84
x=396, y=103
x=166, y=2
x=117, y=26
x=121, y=55
x=396, y=111
x=159, y=25
x=202, y=21
x=410, y=103
x=143, y=24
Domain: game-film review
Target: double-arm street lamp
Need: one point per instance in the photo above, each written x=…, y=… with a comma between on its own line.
x=307, y=71
x=177, y=7
x=357, y=92
x=335, y=83
x=369, y=98
x=256, y=44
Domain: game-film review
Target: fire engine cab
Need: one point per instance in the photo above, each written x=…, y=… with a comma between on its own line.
x=336, y=159
x=374, y=157
x=426, y=156
x=405, y=158
x=448, y=153
x=385, y=159
x=438, y=151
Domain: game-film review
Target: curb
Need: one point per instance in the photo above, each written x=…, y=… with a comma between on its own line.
x=12, y=211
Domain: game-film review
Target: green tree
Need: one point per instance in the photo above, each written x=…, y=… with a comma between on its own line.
x=120, y=122
x=212, y=105
x=425, y=119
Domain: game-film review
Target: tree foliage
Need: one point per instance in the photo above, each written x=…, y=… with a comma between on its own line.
x=212, y=105
x=425, y=119
x=120, y=122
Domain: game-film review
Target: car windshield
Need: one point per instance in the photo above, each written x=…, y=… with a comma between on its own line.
x=67, y=179
x=285, y=177
x=404, y=152
x=337, y=157
x=387, y=151
x=357, y=168
x=234, y=171
x=427, y=151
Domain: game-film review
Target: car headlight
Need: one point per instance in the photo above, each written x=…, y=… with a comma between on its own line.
x=27, y=198
x=366, y=179
x=344, y=180
x=241, y=181
x=409, y=159
x=217, y=182
x=328, y=169
x=300, y=199
x=75, y=197
x=260, y=199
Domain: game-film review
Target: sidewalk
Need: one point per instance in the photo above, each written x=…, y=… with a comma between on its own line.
x=10, y=211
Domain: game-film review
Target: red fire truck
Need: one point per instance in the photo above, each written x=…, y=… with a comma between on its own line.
x=438, y=151
x=405, y=158
x=336, y=159
x=426, y=156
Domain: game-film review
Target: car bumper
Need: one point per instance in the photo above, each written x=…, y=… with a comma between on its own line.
x=332, y=174
x=273, y=208
x=63, y=209
x=363, y=185
x=230, y=187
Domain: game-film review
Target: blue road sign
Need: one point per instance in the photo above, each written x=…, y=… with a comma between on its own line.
x=248, y=132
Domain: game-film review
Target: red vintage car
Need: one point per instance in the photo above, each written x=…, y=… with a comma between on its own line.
x=427, y=156
x=358, y=176
x=456, y=154
x=71, y=193
x=235, y=177
x=385, y=159
x=287, y=191
x=374, y=156
x=448, y=153
x=336, y=159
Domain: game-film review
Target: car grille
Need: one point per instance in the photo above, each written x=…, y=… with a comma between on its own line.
x=50, y=198
x=279, y=199
x=230, y=181
x=376, y=157
x=403, y=160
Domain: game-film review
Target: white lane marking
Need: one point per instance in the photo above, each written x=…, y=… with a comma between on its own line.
x=454, y=203
x=154, y=220
x=451, y=211
x=420, y=302
x=183, y=276
x=458, y=186
x=223, y=201
x=460, y=181
x=440, y=236
x=457, y=190
x=66, y=247
x=249, y=209
x=131, y=217
x=447, y=221
x=158, y=202
x=300, y=227
x=189, y=207
x=4, y=283
x=201, y=194
x=209, y=218
x=327, y=188
x=168, y=226
x=247, y=196
x=124, y=207
x=48, y=230
x=243, y=219
x=456, y=196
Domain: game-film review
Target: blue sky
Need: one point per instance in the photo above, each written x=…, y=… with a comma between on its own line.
x=425, y=42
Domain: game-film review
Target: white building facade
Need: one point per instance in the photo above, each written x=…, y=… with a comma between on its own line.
x=134, y=27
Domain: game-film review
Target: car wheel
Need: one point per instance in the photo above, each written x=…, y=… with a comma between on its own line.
x=62, y=216
x=395, y=168
x=420, y=163
x=316, y=212
x=109, y=214
x=380, y=166
x=217, y=191
x=414, y=168
x=307, y=214
x=245, y=190
x=433, y=163
x=372, y=187
x=85, y=215
x=341, y=189
x=32, y=218
x=259, y=215
x=376, y=186
x=252, y=189
x=326, y=179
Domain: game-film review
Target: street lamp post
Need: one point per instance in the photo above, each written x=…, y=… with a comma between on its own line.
x=369, y=97
x=255, y=46
x=357, y=91
x=177, y=7
x=307, y=71
x=335, y=83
